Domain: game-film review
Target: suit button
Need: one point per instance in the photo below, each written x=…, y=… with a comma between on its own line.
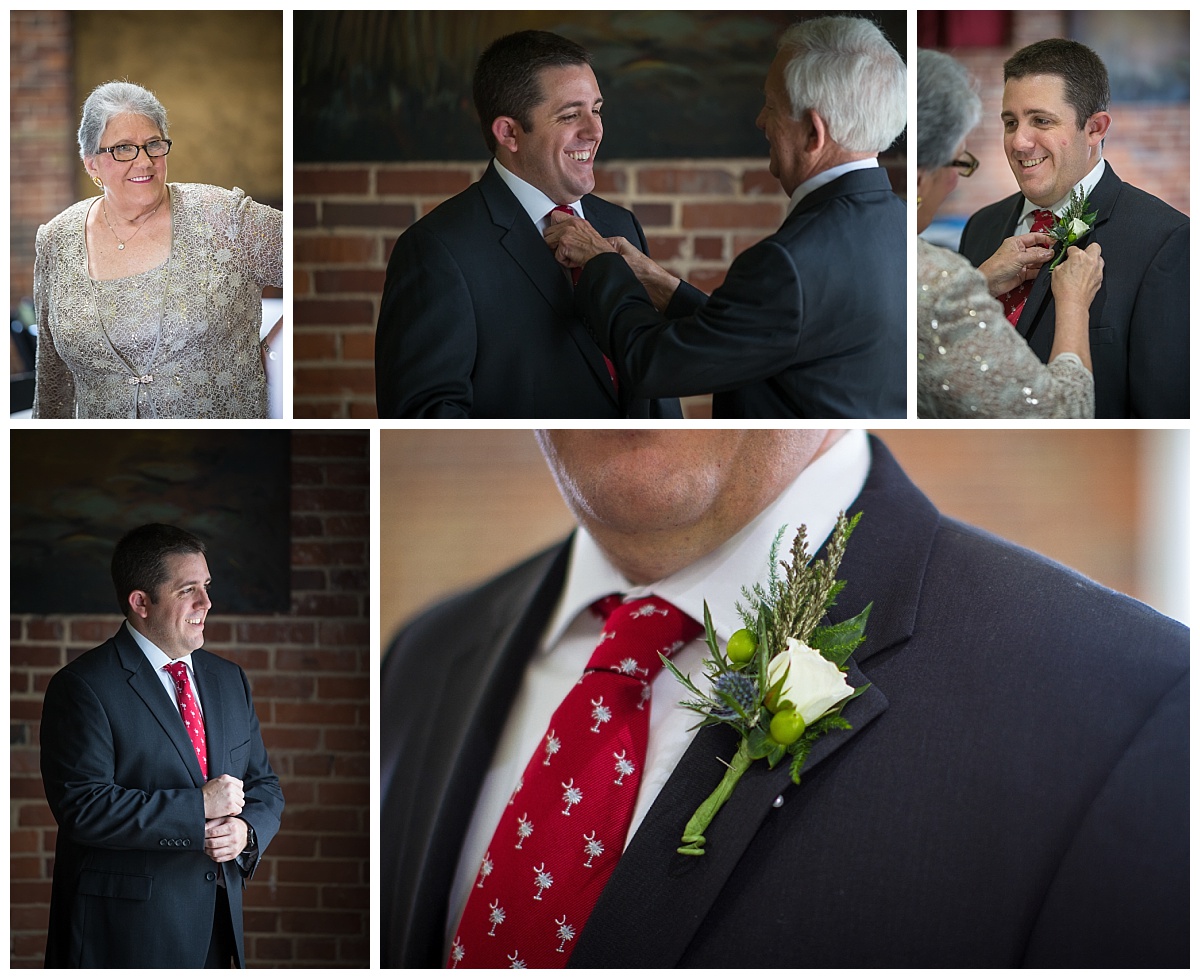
x=162, y=842
x=210, y=876
x=187, y=842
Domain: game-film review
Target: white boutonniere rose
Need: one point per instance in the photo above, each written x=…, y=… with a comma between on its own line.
x=810, y=682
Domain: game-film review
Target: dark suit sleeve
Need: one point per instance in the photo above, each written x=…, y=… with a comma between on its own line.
x=1159, y=334
x=263, y=796
x=742, y=334
x=1120, y=895
x=425, y=343
x=79, y=769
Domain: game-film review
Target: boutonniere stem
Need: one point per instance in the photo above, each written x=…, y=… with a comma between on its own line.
x=1074, y=223
x=780, y=682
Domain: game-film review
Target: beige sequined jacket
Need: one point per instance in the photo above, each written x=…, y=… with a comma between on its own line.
x=206, y=361
x=971, y=362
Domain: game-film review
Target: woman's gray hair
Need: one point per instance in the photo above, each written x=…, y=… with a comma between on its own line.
x=948, y=108
x=115, y=99
x=846, y=71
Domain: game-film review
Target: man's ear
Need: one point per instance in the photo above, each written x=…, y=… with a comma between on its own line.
x=139, y=603
x=507, y=131
x=1097, y=127
x=817, y=134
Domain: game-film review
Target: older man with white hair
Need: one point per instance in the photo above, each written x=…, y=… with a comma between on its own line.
x=810, y=322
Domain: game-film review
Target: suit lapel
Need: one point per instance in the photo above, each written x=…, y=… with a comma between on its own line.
x=1103, y=198
x=527, y=248
x=885, y=564
x=210, y=702
x=149, y=687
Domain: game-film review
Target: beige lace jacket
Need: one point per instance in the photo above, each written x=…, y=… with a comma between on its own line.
x=178, y=341
x=971, y=363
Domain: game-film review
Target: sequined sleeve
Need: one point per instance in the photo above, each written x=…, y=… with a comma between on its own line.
x=971, y=363
x=256, y=232
x=54, y=385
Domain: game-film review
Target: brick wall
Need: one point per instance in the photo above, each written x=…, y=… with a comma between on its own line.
x=308, y=904
x=42, y=148
x=698, y=216
x=1148, y=143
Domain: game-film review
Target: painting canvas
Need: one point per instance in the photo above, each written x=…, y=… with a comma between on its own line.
x=396, y=85
x=74, y=494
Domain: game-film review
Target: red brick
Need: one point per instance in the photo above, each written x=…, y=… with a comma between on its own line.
x=309, y=950
x=709, y=248
x=301, y=282
x=276, y=632
x=310, y=312
x=304, y=214
x=325, y=871
x=655, y=215
x=349, y=739
x=757, y=215
x=322, y=715
x=285, y=686
x=346, y=847
x=325, y=605
x=21, y=655
x=397, y=216
x=358, y=345
x=664, y=247
x=324, y=660
x=756, y=182
x=18, y=682
x=329, y=181
x=272, y=949
x=43, y=629
x=289, y=844
x=308, y=408
x=343, y=794
x=327, y=922
x=345, y=897
x=311, y=345
x=284, y=738
x=335, y=380
x=684, y=181
x=350, y=280
x=611, y=181
x=706, y=280
x=445, y=183
x=334, y=249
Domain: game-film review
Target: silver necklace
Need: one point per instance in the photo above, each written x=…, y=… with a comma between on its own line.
x=120, y=243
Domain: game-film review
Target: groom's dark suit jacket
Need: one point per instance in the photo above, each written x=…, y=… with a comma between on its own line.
x=133, y=887
x=809, y=323
x=1014, y=791
x=477, y=318
x=1140, y=319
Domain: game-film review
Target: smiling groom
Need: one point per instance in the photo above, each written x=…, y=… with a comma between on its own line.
x=1056, y=121
x=476, y=319
x=156, y=773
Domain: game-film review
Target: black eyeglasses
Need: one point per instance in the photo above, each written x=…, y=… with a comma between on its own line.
x=966, y=166
x=128, y=152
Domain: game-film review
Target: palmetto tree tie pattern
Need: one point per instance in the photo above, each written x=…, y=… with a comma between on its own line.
x=189, y=710
x=565, y=824
x=1014, y=300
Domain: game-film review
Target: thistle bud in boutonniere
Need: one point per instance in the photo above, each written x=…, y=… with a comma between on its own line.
x=780, y=683
x=1074, y=223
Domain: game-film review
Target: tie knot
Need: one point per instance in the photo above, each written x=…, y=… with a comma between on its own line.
x=177, y=670
x=636, y=632
x=1042, y=220
x=564, y=208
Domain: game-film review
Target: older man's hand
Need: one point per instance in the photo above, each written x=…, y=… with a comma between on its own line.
x=574, y=241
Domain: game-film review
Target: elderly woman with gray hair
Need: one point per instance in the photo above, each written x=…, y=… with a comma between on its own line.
x=971, y=363
x=148, y=296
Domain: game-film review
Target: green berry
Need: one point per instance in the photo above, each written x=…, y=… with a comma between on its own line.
x=787, y=726
x=741, y=646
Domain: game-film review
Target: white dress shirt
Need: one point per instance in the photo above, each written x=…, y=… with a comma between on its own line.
x=158, y=659
x=828, y=486
x=1086, y=186
x=827, y=177
x=536, y=204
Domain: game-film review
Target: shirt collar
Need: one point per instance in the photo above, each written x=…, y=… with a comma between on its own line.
x=828, y=176
x=826, y=487
x=158, y=659
x=1085, y=186
x=536, y=204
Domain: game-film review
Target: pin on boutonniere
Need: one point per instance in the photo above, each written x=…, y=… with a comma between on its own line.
x=1074, y=223
x=780, y=683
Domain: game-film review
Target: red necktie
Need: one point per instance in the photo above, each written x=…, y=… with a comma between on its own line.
x=564, y=828
x=575, y=274
x=190, y=712
x=1014, y=300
